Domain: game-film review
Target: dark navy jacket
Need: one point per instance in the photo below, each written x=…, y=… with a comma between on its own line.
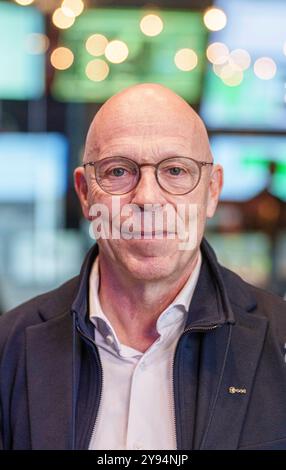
x=229, y=367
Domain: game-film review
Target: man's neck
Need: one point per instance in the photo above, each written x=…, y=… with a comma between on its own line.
x=134, y=317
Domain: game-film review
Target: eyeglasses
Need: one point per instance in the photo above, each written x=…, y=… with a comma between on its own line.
x=120, y=175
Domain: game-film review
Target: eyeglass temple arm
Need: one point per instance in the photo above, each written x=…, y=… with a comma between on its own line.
x=88, y=163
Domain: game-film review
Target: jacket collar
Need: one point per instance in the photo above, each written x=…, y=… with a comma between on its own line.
x=213, y=293
x=75, y=291
x=210, y=304
x=80, y=304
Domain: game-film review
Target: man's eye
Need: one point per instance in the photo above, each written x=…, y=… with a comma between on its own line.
x=118, y=172
x=175, y=171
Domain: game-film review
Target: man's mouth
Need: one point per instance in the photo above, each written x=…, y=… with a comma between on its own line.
x=150, y=234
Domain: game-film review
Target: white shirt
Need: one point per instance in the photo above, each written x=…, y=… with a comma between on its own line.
x=137, y=406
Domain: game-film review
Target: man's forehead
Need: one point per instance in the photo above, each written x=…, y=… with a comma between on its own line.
x=142, y=127
x=139, y=146
x=136, y=142
x=139, y=127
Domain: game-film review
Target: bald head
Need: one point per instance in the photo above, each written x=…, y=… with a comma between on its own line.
x=146, y=111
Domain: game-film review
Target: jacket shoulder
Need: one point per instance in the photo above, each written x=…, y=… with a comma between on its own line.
x=38, y=309
x=254, y=299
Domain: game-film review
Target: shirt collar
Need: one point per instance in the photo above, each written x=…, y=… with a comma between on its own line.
x=210, y=303
x=174, y=315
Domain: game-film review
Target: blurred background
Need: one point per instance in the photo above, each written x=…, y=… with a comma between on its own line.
x=60, y=60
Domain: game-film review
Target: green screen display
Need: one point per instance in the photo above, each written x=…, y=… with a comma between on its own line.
x=22, y=73
x=246, y=161
x=254, y=104
x=150, y=59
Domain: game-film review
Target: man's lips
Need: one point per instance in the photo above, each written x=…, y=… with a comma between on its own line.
x=152, y=234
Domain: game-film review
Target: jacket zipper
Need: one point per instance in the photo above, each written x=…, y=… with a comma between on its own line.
x=91, y=436
x=187, y=330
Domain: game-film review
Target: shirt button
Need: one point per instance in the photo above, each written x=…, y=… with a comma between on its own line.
x=143, y=365
x=109, y=339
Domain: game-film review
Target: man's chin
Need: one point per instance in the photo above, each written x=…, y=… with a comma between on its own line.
x=148, y=268
x=153, y=247
x=146, y=259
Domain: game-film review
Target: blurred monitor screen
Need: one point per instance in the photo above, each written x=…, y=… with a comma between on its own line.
x=246, y=161
x=234, y=98
x=22, y=62
x=33, y=183
x=94, y=75
x=32, y=166
x=247, y=254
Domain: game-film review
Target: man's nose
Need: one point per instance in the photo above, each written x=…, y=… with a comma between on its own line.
x=148, y=190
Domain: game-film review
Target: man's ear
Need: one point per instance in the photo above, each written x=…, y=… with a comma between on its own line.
x=214, y=190
x=81, y=187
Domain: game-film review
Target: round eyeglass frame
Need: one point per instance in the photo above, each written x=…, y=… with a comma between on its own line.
x=154, y=165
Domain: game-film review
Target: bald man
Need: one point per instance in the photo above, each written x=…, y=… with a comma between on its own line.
x=154, y=345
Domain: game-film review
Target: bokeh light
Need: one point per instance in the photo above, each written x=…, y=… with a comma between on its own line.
x=37, y=43
x=62, y=58
x=215, y=19
x=72, y=8
x=186, y=59
x=231, y=75
x=97, y=70
x=217, y=52
x=230, y=67
x=24, y=2
x=61, y=20
x=217, y=68
x=241, y=58
x=265, y=68
x=116, y=51
x=96, y=44
x=151, y=25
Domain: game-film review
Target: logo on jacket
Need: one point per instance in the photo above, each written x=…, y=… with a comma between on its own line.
x=233, y=390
